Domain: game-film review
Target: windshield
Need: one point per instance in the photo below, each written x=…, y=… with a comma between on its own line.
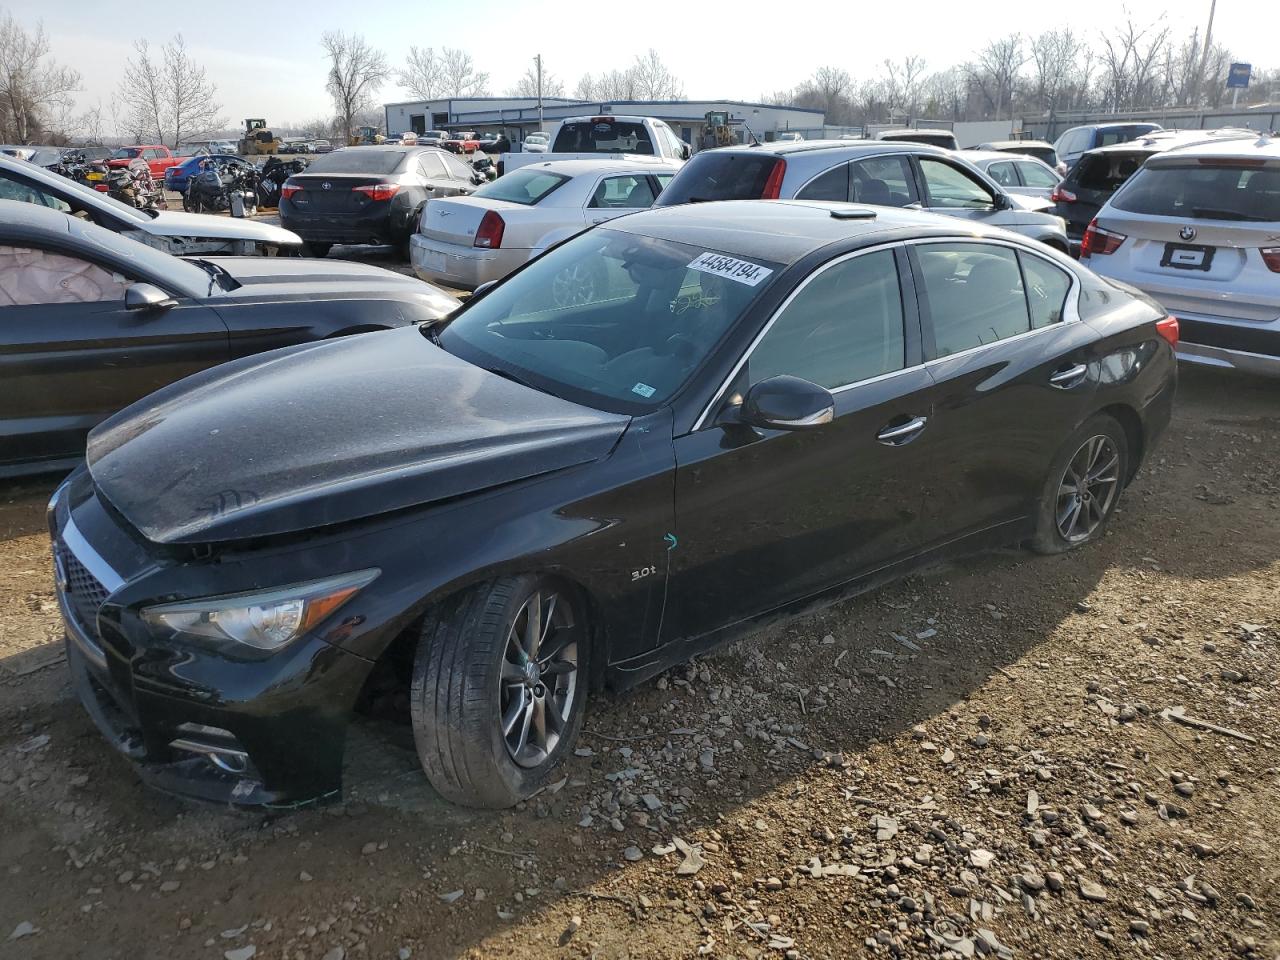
x=358, y=160
x=1207, y=190
x=126, y=153
x=536, y=138
x=604, y=135
x=609, y=319
x=523, y=186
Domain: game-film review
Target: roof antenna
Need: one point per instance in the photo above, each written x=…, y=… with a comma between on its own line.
x=755, y=141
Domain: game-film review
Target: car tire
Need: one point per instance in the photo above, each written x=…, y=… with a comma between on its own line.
x=1069, y=517
x=317, y=250
x=475, y=702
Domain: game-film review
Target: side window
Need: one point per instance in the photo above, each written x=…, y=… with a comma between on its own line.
x=953, y=188
x=11, y=189
x=663, y=179
x=429, y=166
x=1003, y=174
x=886, y=181
x=845, y=325
x=974, y=294
x=1034, y=175
x=1047, y=288
x=626, y=192
x=37, y=277
x=832, y=185
x=455, y=167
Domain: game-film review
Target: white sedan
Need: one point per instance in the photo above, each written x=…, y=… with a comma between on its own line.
x=1017, y=173
x=464, y=242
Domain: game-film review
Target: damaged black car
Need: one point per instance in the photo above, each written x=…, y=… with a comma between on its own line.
x=759, y=408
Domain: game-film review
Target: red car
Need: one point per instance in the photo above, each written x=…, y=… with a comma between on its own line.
x=464, y=142
x=157, y=156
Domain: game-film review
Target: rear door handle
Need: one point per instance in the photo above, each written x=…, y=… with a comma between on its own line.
x=895, y=436
x=1068, y=377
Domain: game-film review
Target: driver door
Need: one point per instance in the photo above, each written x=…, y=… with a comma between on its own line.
x=72, y=353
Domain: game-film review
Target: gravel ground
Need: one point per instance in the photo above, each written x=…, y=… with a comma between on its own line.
x=1074, y=756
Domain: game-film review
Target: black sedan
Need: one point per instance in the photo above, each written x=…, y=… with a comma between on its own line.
x=762, y=407
x=94, y=320
x=370, y=194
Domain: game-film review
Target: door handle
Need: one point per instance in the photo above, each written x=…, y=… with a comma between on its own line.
x=896, y=436
x=1068, y=377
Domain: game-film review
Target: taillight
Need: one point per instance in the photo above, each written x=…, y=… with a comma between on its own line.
x=378, y=191
x=102, y=188
x=1062, y=196
x=1271, y=257
x=489, y=234
x=1099, y=241
x=1168, y=328
x=773, y=186
x=289, y=189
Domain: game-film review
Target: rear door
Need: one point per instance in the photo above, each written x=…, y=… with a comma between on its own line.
x=1014, y=374
x=71, y=354
x=614, y=196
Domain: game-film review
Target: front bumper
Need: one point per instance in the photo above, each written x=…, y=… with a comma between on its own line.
x=255, y=732
x=461, y=267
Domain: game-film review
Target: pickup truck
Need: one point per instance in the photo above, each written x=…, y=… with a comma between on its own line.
x=158, y=157
x=591, y=138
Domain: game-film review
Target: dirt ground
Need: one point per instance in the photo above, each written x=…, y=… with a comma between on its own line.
x=1075, y=756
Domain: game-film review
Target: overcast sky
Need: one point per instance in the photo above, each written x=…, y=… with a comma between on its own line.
x=266, y=59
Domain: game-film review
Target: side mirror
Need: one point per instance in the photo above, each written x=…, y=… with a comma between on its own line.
x=146, y=296
x=787, y=403
x=686, y=151
x=1002, y=202
x=478, y=291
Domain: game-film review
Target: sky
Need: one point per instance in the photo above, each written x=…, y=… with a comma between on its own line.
x=271, y=65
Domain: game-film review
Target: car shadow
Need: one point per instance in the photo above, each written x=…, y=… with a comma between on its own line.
x=806, y=697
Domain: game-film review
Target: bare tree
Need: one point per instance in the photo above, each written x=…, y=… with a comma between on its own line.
x=421, y=74
x=995, y=73
x=946, y=94
x=461, y=79
x=1060, y=63
x=830, y=90
x=90, y=126
x=169, y=99
x=1130, y=60
x=586, y=87
x=653, y=80
x=32, y=85
x=356, y=71
x=903, y=82
x=527, y=86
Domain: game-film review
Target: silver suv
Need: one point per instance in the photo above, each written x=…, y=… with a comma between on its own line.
x=883, y=173
x=1198, y=228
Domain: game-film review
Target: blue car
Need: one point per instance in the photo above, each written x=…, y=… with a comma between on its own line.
x=178, y=177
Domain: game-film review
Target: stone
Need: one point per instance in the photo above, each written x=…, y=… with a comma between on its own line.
x=1090, y=890
x=1090, y=812
x=170, y=886
x=632, y=854
x=404, y=953
x=1031, y=881
x=452, y=896
x=337, y=953
x=241, y=953
x=886, y=827
x=1054, y=881
x=305, y=877
x=1139, y=927
x=1185, y=788
x=369, y=848
x=981, y=859
x=25, y=929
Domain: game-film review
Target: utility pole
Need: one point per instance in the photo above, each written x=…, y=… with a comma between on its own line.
x=538, y=61
x=1204, y=55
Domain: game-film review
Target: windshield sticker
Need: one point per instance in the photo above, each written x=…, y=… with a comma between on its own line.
x=644, y=390
x=742, y=271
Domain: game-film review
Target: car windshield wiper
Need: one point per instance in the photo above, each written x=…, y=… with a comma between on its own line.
x=514, y=378
x=1213, y=213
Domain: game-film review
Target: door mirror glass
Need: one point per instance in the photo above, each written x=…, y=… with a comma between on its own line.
x=145, y=296
x=787, y=403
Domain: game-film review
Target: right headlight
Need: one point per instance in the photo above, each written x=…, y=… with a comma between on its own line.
x=266, y=619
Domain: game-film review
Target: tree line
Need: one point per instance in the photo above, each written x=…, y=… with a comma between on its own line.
x=1138, y=66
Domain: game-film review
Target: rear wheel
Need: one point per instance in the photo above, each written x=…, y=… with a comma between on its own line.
x=1083, y=487
x=312, y=249
x=499, y=689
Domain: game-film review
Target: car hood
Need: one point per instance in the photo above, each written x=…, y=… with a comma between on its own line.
x=167, y=223
x=268, y=278
x=331, y=432
x=1030, y=204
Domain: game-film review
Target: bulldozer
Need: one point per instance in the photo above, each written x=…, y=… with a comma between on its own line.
x=715, y=130
x=366, y=135
x=258, y=141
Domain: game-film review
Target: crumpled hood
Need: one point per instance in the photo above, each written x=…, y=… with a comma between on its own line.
x=1031, y=204
x=330, y=432
x=263, y=278
x=170, y=223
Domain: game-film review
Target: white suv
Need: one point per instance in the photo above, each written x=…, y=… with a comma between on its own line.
x=1198, y=228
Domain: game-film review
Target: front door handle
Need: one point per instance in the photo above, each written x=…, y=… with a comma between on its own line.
x=896, y=436
x=1068, y=377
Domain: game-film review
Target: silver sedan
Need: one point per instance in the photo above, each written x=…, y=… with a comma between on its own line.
x=1016, y=173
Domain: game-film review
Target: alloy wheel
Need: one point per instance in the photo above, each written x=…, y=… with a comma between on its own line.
x=573, y=286
x=1088, y=489
x=539, y=678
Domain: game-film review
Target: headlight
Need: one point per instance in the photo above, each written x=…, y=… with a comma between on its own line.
x=266, y=619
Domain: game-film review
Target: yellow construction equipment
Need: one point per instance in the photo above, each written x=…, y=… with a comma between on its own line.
x=258, y=140
x=715, y=130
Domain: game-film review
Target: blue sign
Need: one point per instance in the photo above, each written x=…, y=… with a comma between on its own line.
x=1238, y=75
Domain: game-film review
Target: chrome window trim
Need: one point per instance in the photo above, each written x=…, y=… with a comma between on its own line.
x=1071, y=314
x=746, y=354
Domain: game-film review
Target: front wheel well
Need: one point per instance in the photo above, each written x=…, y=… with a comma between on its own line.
x=1128, y=418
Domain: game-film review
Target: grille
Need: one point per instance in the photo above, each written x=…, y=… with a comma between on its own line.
x=84, y=593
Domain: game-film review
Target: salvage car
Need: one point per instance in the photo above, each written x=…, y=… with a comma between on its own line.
x=171, y=232
x=371, y=195
x=770, y=405
x=1198, y=228
x=93, y=321
x=880, y=172
x=464, y=242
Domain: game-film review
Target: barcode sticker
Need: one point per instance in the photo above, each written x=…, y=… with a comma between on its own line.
x=741, y=271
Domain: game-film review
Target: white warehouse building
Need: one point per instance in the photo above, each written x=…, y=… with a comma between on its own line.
x=518, y=116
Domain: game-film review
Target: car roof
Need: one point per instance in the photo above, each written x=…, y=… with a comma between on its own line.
x=784, y=231
x=1004, y=146
x=848, y=147
x=588, y=118
x=1159, y=141
x=983, y=156
x=578, y=168
x=1258, y=147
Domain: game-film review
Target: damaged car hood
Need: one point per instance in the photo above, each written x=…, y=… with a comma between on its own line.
x=168, y=223
x=330, y=432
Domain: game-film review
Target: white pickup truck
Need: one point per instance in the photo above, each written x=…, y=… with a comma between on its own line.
x=593, y=138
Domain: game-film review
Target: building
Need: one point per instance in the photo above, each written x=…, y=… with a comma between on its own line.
x=518, y=116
